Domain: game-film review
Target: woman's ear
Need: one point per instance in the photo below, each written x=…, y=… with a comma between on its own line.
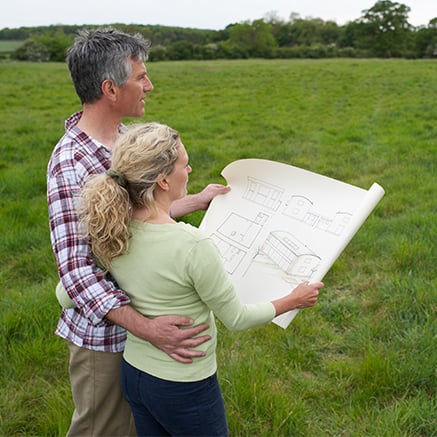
x=162, y=183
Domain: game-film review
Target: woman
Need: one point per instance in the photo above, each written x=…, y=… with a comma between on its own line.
x=167, y=267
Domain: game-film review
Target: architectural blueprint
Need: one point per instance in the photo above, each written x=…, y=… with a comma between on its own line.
x=280, y=225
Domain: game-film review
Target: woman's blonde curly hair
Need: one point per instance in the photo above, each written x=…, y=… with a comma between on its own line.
x=143, y=155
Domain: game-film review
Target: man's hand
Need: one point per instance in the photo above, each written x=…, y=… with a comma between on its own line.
x=199, y=201
x=163, y=332
x=208, y=193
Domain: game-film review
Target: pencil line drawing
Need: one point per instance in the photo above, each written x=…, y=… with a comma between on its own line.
x=301, y=208
x=290, y=254
x=263, y=193
x=231, y=255
x=280, y=225
x=240, y=229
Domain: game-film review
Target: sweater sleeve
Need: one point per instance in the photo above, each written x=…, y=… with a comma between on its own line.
x=214, y=287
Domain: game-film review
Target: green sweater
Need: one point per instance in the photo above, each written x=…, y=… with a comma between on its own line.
x=174, y=269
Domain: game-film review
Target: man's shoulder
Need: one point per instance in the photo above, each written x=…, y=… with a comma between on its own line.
x=72, y=155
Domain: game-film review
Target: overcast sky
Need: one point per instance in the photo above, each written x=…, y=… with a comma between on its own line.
x=199, y=14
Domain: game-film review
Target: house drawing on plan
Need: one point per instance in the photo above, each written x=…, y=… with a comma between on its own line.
x=263, y=193
x=237, y=238
x=289, y=254
x=301, y=208
x=280, y=225
x=298, y=207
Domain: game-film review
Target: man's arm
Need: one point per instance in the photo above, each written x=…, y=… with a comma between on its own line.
x=197, y=202
x=96, y=296
x=163, y=332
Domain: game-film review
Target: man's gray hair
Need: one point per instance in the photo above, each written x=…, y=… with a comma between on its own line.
x=103, y=54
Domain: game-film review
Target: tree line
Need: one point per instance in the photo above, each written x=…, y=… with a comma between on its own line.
x=381, y=31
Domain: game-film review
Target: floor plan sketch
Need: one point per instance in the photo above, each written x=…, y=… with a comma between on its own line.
x=235, y=236
x=231, y=254
x=280, y=225
x=240, y=229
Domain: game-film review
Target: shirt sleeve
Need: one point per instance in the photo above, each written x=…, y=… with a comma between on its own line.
x=214, y=287
x=86, y=285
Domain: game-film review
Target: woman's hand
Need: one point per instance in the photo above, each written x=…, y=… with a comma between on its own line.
x=303, y=296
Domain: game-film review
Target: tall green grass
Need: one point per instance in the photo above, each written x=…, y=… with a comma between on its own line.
x=360, y=363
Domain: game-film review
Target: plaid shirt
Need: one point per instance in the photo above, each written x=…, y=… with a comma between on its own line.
x=75, y=157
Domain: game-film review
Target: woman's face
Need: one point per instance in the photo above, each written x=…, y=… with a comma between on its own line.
x=178, y=178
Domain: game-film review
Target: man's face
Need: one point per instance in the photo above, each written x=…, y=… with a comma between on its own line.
x=132, y=95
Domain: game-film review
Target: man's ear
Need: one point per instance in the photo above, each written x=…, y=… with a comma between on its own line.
x=109, y=89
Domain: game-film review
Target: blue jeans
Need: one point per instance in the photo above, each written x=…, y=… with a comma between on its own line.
x=168, y=408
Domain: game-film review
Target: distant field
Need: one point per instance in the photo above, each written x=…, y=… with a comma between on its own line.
x=360, y=363
x=9, y=46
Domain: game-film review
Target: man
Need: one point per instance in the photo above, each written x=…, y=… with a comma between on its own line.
x=110, y=77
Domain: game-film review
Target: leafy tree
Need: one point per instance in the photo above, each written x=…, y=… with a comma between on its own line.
x=229, y=50
x=328, y=32
x=426, y=40
x=256, y=38
x=350, y=34
x=56, y=44
x=180, y=50
x=304, y=32
x=279, y=27
x=209, y=51
x=385, y=29
x=284, y=35
x=158, y=53
x=31, y=50
x=20, y=34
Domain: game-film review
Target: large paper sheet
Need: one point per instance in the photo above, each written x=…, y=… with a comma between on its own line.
x=280, y=225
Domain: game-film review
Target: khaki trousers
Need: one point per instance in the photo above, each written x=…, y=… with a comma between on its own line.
x=100, y=408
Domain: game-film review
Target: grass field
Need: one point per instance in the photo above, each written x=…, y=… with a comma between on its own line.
x=7, y=46
x=360, y=363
